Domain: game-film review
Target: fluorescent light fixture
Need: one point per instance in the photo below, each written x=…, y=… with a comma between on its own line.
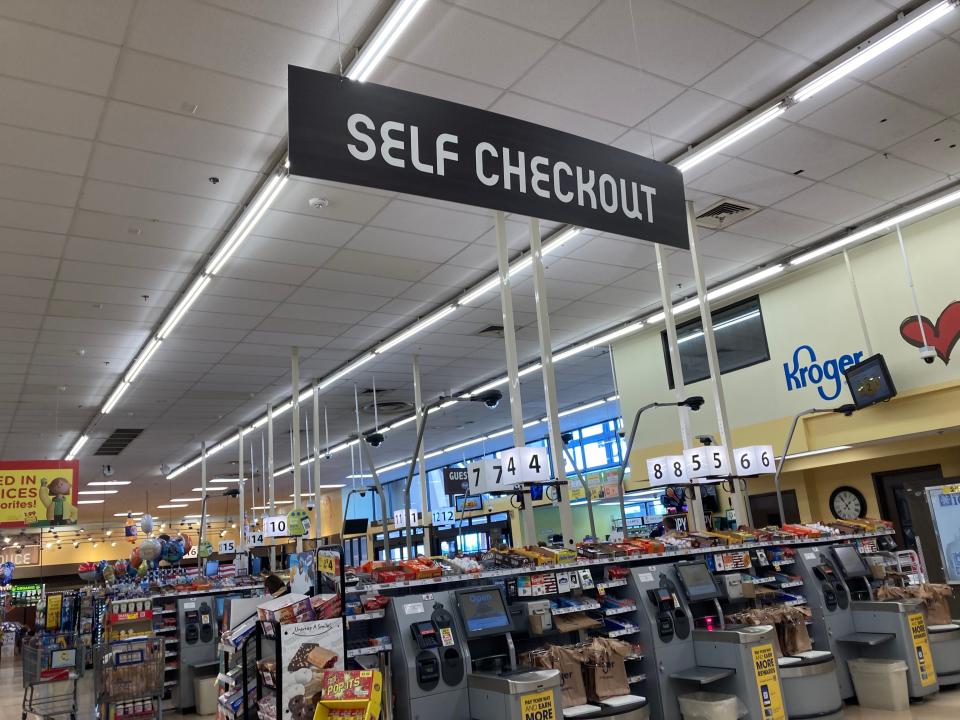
x=89, y=502
x=170, y=506
x=359, y=476
x=96, y=492
x=144, y=358
x=256, y=210
x=346, y=370
x=383, y=38
x=225, y=480
x=580, y=408
x=402, y=422
x=602, y=340
x=124, y=514
x=108, y=483
x=330, y=486
x=181, y=308
x=479, y=291
x=76, y=447
x=186, y=500
x=725, y=141
x=558, y=239
x=743, y=282
x=183, y=468
x=720, y=326
x=465, y=443
x=446, y=404
x=115, y=397
x=499, y=433
x=881, y=226
x=192, y=517
x=489, y=386
x=909, y=26
x=415, y=329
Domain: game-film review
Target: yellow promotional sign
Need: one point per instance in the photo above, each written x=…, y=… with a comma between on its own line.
x=38, y=493
x=768, y=682
x=950, y=489
x=327, y=564
x=538, y=706
x=921, y=649
x=54, y=606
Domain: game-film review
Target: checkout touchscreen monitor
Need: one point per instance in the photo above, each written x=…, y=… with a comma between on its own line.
x=851, y=562
x=483, y=611
x=697, y=581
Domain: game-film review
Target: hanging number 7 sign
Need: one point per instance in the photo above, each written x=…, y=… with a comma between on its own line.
x=485, y=476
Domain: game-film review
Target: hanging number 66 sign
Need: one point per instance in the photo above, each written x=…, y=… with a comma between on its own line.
x=667, y=470
x=754, y=460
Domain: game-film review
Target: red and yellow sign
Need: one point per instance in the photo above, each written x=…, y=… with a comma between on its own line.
x=38, y=493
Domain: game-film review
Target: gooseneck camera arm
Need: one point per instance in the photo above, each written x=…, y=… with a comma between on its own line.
x=586, y=489
x=365, y=449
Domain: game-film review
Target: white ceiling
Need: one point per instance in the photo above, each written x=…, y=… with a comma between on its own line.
x=116, y=113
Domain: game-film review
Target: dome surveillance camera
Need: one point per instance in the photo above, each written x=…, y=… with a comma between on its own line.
x=566, y=438
x=928, y=354
x=107, y=470
x=705, y=439
x=164, y=469
x=375, y=439
x=491, y=398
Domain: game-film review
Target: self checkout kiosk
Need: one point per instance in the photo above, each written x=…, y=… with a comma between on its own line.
x=198, y=643
x=688, y=648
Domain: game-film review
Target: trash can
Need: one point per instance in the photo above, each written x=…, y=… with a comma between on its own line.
x=880, y=684
x=708, y=706
x=205, y=695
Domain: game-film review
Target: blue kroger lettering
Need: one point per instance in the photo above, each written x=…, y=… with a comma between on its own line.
x=829, y=372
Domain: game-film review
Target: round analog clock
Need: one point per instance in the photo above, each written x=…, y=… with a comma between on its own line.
x=847, y=503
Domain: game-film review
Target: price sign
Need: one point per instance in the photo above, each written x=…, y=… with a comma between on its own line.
x=667, y=470
x=754, y=460
x=275, y=526
x=399, y=522
x=254, y=539
x=227, y=547
x=443, y=516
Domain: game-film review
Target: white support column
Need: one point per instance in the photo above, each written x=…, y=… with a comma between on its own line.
x=706, y=318
x=549, y=382
x=696, y=504
x=242, y=488
x=421, y=459
x=203, y=501
x=316, y=459
x=270, y=485
x=510, y=346
x=295, y=435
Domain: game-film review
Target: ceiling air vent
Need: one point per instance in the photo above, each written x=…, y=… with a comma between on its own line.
x=724, y=213
x=118, y=441
x=491, y=331
x=388, y=407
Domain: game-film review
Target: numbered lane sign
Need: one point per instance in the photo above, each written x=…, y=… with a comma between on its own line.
x=697, y=463
x=275, y=526
x=667, y=470
x=525, y=465
x=754, y=460
x=443, y=516
x=227, y=547
x=399, y=522
x=715, y=460
x=254, y=539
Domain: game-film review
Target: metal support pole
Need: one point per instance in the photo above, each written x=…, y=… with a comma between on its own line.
x=365, y=450
x=586, y=490
x=295, y=434
x=913, y=290
x=316, y=460
x=621, y=471
x=783, y=458
x=739, y=502
x=421, y=417
x=271, y=501
x=242, y=488
x=698, y=522
x=859, y=305
x=203, y=494
x=510, y=347
x=417, y=452
x=549, y=381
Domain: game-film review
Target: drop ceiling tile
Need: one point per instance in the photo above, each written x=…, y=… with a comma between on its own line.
x=43, y=151
x=559, y=289
x=209, y=302
x=311, y=312
x=29, y=266
x=306, y=16
x=658, y=37
x=247, y=289
x=748, y=15
x=886, y=177
x=624, y=297
x=822, y=27
x=96, y=325
x=20, y=335
x=178, y=87
x=223, y=334
x=197, y=318
x=540, y=16
x=837, y=90
x=755, y=74
x=468, y=45
x=620, y=253
x=575, y=269
x=937, y=147
x=332, y=299
x=26, y=242
x=780, y=227
x=28, y=287
x=404, y=245
x=576, y=123
x=143, y=313
x=38, y=186
x=307, y=255
x=93, y=293
x=305, y=228
x=43, y=108
x=34, y=216
x=693, y=116
x=417, y=79
x=123, y=229
x=16, y=320
x=103, y=20
x=302, y=340
x=410, y=217
x=344, y=203
x=647, y=145
x=817, y=154
x=319, y=327
x=681, y=263
x=141, y=256
x=871, y=117
x=740, y=248
x=272, y=272
x=425, y=292
x=228, y=42
x=186, y=137
x=754, y=183
x=568, y=77
x=34, y=53
x=927, y=78
x=146, y=280
x=829, y=203
x=351, y=282
x=452, y=276
x=380, y=265
x=100, y=196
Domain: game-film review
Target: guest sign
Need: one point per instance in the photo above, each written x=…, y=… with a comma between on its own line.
x=371, y=135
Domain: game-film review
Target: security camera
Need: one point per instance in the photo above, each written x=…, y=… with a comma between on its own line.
x=375, y=439
x=107, y=470
x=231, y=492
x=705, y=439
x=566, y=438
x=310, y=507
x=164, y=469
x=929, y=354
x=491, y=398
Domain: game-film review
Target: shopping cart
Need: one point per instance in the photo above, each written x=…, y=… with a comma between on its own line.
x=128, y=678
x=52, y=665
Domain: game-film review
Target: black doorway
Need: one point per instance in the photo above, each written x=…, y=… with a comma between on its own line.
x=764, y=510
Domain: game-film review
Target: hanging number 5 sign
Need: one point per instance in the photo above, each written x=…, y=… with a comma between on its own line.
x=754, y=460
x=667, y=470
x=706, y=461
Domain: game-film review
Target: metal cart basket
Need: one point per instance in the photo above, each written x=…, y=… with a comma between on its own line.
x=128, y=672
x=52, y=664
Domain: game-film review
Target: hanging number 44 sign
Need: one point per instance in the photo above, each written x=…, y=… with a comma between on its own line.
x=525, y=465
x=754, y=460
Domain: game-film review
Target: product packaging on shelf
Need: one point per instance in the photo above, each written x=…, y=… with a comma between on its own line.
x=350, y=695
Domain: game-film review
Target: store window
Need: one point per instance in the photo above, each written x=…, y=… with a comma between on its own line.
x=740, y=337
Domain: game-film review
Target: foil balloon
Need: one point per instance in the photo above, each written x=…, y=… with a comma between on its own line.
x=150, y=549
x=100, y=566
x=187, y=542
x=130, y=529
x=120, y=567
x=131, y=570
x=204, y=549
x=87, y=572
x=142, y=570
x=146, y=524
x=135, y=558
x=109, y=574
x=173, y=551
x=6, y=573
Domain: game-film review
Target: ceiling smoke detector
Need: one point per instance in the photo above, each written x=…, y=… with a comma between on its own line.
x=318, y=203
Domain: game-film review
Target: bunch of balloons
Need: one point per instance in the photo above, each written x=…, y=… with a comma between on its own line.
x=6, y=572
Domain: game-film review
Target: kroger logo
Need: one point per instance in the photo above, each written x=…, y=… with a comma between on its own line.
x=826, y=375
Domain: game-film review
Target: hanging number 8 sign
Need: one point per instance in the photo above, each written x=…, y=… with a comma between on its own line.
x=754, y=460
x=667, y=470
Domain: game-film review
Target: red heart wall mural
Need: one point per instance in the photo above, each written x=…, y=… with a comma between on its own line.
x=942, y=336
